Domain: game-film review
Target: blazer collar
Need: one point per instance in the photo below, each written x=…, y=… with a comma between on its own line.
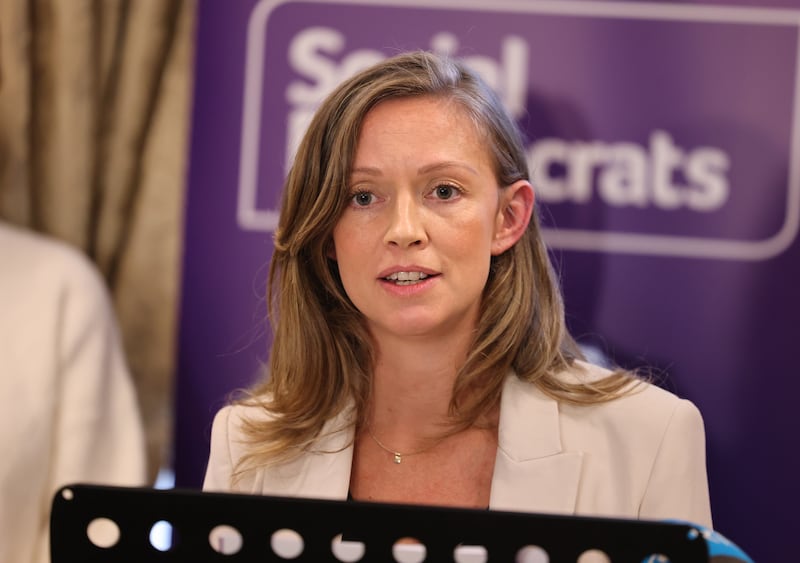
x=532, y=471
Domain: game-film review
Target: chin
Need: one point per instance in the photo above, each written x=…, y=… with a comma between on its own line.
x=406, y=327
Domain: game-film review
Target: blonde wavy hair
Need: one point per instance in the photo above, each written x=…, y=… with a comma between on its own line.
x=322, y=355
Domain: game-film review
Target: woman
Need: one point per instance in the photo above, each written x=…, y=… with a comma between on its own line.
x=420, y=352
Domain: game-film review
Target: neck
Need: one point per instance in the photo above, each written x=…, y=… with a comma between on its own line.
x=412, y=386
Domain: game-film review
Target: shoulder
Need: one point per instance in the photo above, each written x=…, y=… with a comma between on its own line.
x=642, y=453
x=25, y=249
x=228, y=444
x=236, y=415
x=229, y=426
x=646, y=411
x=233, y=421
x=53, y=298
x=233, y=439
x=236, y=423
x=643, y=413
x=43, y=266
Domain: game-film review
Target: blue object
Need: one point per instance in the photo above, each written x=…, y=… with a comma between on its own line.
x=719, y=547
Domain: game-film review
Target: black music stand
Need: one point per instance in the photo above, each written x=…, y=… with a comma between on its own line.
x=248, y=525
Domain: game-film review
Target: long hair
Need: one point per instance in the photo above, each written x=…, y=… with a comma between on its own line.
x=322, y=356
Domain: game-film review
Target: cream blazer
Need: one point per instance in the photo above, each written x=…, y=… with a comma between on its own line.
x=640, y=456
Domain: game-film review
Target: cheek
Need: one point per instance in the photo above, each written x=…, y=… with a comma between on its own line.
x=350, y=252
x=348, y=240
x=473, y=237
x=341, y=235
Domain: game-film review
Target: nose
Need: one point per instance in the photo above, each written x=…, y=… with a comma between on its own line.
x=406, y=224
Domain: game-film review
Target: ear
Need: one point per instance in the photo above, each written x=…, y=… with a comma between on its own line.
x=513, y=215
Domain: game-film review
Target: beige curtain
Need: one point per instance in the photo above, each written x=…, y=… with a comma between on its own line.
x=94, y=111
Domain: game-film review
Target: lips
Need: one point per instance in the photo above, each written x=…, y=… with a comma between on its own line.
x=407, y=276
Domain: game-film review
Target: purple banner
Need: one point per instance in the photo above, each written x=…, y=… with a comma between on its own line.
x=664, y=142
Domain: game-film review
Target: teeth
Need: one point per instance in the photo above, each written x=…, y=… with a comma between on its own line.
x=406, y=276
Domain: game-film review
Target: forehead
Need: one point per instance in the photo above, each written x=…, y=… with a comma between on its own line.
x=425, y=125
x=439, y=107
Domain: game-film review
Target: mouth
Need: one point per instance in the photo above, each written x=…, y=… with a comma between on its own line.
x=406, y=278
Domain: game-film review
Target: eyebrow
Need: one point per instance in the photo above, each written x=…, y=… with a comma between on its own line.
x=366, y=170
x=370, y=171
x=446, y=164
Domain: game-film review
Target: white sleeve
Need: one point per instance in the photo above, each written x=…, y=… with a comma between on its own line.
x=98, y=435
x=220, y=464
x=678, y=484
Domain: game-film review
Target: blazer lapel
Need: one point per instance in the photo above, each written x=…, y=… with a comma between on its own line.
x=322, y=473
x=532, y=471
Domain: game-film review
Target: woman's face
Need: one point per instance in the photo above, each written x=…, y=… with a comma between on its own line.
x=414, y=244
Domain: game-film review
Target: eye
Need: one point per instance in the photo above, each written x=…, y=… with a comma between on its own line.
x=445, y=191
x=362, y=199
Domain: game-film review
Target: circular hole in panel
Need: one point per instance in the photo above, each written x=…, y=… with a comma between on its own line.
x=409, y=550
x=67, y=494
x=470, y=554
x=347, y=551
x=225, y=539
x=532, y=554
x=656, y=558
x=163, y=535
x=594, y=556
x=103, y=532
x=287, y=543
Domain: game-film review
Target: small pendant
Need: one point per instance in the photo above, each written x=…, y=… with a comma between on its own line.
x=397, y=458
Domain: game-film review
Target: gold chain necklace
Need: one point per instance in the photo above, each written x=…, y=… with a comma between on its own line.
x=398, y=456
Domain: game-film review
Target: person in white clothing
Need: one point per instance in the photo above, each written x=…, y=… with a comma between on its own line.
x=68, y=407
